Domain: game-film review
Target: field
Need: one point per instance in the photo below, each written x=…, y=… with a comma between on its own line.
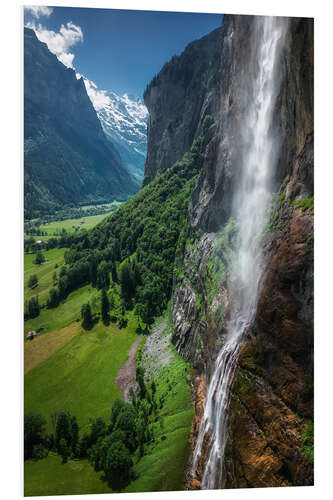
x=54, y=228
x=50, y=477
x=64, y=314
x=44, y=273
x=73, y=369
x=43, y=346
x=79, y=377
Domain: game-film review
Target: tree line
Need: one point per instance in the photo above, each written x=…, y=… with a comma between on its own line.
x=110, y=446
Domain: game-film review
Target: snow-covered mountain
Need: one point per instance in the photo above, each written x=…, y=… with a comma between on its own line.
x=124, y=121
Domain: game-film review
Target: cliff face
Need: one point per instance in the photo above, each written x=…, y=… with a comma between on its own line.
x=67, y=157
x=178, y=98
x=271, y=403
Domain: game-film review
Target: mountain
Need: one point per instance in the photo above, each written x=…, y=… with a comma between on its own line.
x=67, y=157
x=268, y=427
x=124, y=121
x=178, y=98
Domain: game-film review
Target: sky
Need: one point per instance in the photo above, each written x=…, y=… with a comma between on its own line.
x=118, y=50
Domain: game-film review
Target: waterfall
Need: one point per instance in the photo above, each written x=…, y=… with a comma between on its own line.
x=260, y=147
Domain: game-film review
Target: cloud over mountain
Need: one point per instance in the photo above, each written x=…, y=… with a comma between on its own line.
x=59, y=42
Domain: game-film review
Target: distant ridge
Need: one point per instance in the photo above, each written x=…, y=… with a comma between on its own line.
x=67, y=157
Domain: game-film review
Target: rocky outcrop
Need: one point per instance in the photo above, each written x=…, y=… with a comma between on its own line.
x=67, y=158
x=272, y=398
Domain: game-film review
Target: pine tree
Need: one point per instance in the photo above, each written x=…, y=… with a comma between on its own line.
x=86, y=316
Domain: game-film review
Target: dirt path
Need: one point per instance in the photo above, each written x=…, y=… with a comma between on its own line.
x=126, y=374
x=41, y=347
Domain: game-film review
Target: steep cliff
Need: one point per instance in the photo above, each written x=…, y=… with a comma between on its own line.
x=67, y=158
x=271, y=404
x=178, y=99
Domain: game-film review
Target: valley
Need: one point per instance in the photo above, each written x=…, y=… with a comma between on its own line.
x=172, y=323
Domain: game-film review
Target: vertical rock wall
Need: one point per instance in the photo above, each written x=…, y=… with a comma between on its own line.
x=271, y=407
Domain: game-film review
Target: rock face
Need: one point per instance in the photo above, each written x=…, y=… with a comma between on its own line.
x=67, y=157
x=178, y=98
x=271, y=403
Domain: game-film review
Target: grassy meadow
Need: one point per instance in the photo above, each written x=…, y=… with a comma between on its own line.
x=69, y=368
x=67, y=311
x=79, y=377
x=51, y=477
x=44, y=272
x=55, y=228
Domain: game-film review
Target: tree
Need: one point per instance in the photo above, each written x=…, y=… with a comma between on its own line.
x=53, y=300
x=32, y=308
x=98, y=452
x=126, y=282
x=75, y=436
x=140, y=380
x=64, y=450
x=114, y=273
x=33, y=281
x=103, y=275
x=126, y=422
x=118, y=404
x=86, y=316
x=39, y=259
x=67, y=435
x=105, y=306
x=34, y=435
x=117, y=465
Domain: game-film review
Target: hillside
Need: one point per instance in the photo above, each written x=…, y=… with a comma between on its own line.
x=211, y=262
x=67, y=157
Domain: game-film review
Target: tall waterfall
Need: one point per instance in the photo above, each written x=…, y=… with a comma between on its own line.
x=250, y=205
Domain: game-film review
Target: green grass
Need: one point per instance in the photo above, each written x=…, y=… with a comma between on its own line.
x=50, y=477
x=79, y=377
x=305, y=204
x=163, y=465
x=44, y=273
x=54, y=228
x=67, y=312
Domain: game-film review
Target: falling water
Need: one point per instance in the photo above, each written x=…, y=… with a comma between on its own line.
x=250, y=203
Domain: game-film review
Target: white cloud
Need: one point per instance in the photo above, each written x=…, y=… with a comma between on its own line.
x=38, y=11
x=99, y=98
x=59, y=43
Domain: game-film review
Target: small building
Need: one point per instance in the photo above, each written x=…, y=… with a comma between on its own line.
x=31, y=335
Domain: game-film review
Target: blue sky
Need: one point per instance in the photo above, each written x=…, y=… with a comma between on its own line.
x=119, y=50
